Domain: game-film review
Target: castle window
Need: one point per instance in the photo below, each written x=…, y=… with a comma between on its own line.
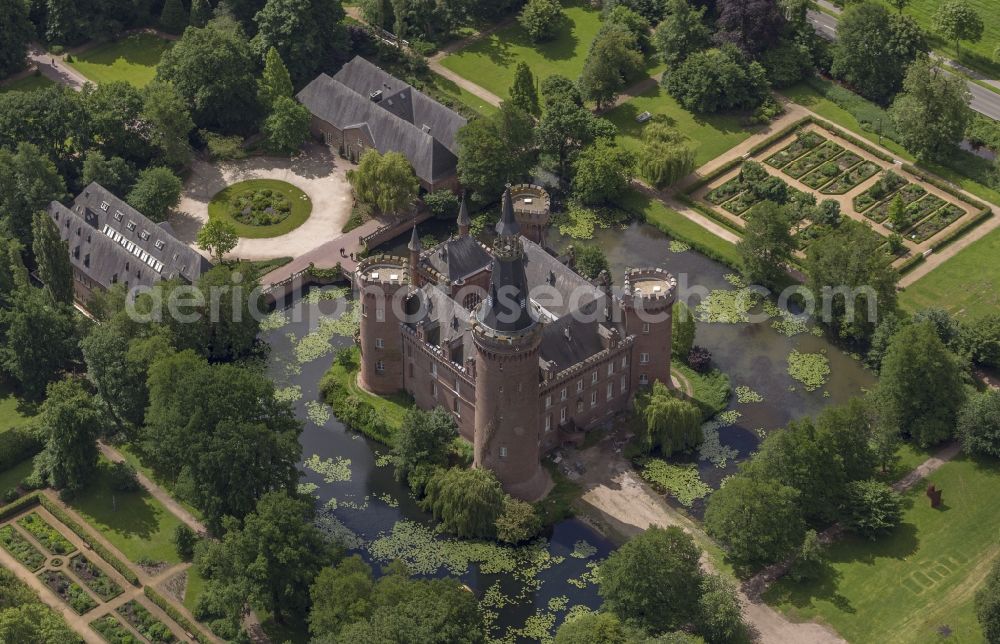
x=611, y=368
x=434, y=369
x=643, y=358
x=593, y=399
x=548, y=423
x=645, y=327
x=379, y=343
x=562, y=415
x=624, y=361
x=503, y=452
x=411, y=369
x=380, y=314
x=471, y=300
x=455, y=406
x=159, y=244
x=611, y=392
x=379, y=366
x=593, y=377
x=548, y=401
x=562, y=394
x=579, y=406
x=144, y=235
x=579, y=386
x=434, y=390
x=623, y=384
x=643, y=379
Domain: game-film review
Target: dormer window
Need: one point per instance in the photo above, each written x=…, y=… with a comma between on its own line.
x=105, y=205
x=118, y=215
x=159, y=244
x=130, y=225
x=144, y=235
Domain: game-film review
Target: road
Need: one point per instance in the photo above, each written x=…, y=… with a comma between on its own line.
x=984, y=101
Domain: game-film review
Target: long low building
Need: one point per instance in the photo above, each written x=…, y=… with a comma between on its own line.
x=362, y=107
x=110, y=242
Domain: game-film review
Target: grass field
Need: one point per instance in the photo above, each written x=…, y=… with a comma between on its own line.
x=12, y=412
x=977, y=55
x=449, y=89
x=710, y=135
x=390, y=408
x=917, y=583
x=135, y=522
x=490, y=62
x=132, y=59
x=968, y=284
x=218, y=208
x=195, y=587
x=27, y=84
x=10, y=478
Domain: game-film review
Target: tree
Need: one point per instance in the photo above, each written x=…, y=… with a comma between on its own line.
x=28, y=183
x=874, y=48
x=872, y=508
x=566, y=126
x=767, y=244
x=274, y=82
x=24, y=618
x=184, y=539
x=850, y=278
x=173, y=19
x=827, y=213
x=602, y=173
x=681, y=33
x=495, y=150
x=522, y=92
x=215, y=71
x=716, y=80
x=980, y=339
x=979, y=424
x=590, y=260
x=759, y=521
x=341, y=595
x=384, y=181
x=115, y=173
x=988, y=605
x=921, y=390
x=648, y=580
x=70, y=424
x=683, y=332
x=272, y=558
x=169, y=123
x=672, y=425
x=424, y=442
x=613, y=59
x=115, y=124
x=541, y=19
x=218, y=237
x=720, y=615
x=749, y=24
x=38, y=339
x=467, y=502
x=308, y=34
x=899, y=5
x=955, y=20
x=14, y=38
x=897, y=213
x=156, y=192
x=518, y=521
x=665, y=157
x=52, y=257
x=596, y=628
x=201, y=13
x=810, y=559
x=287, y=126
x=220, y=433
x=932, y=111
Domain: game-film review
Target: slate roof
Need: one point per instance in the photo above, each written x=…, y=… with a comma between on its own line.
x=574, y=292
x=583, y=341
x=458, y=258
x=111, y=241
x=448, y=316
x=404, y=120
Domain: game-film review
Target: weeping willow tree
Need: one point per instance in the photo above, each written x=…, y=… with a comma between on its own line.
x=466, y=502
x=665, y=157
x=672, y=424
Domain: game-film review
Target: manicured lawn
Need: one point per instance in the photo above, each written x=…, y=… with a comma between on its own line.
x=491, y=61
x=195, y=587
x=132, y=59
x=449, y=89
x=135, y=522
x=10, y=478
x=219, y=207
x=710, y=135
x=968, y=284
x=390, y=408
x=27, y=84
x=918, y=582
x=12, y=412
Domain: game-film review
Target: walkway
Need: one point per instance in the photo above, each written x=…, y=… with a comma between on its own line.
x=326, y=255
x=937, y=258
x=434, y=62
x=56, y=69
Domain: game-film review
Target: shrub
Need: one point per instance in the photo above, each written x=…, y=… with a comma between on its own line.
x=872, y=508
x=518, y=521
x=16, y=445
x=443, y=204
x=185, y=541
x=700, y=359
x=223, y=148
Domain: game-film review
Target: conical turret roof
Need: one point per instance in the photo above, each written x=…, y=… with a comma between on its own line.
x=415, y=245
x=463, y=213
x=508, y=223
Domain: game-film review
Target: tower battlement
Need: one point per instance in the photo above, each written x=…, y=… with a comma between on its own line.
x=655, y=288
x=532, y=208
x=386, y=270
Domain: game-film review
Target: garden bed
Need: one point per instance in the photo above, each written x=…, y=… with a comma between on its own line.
x=114, y=631
x=916, y=211
x=20, y=548
x=68, y=590
x=804, y=142
x=821, y=175
x=148, y=626
x=725, y=192
x=741, y=203
x=49, y=537
x=850, y=179
x=261, y=208
x=884, y=188
x=908, y=193
x=826, y=152
x=809, y=234
x=937, y=222
x=94, y=578
x=847, y=160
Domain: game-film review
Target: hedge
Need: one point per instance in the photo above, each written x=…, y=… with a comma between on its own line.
x=864, y=145
x=943, y=185
x=176, y=615
x=18, y=506
x=910, y=264
x=966, y=226
x=101, y=551
x=16, y=445
x=710, y=213
x=711, y=176
x=780, y=134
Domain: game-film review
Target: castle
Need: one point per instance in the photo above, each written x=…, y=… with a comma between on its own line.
x=524, y=352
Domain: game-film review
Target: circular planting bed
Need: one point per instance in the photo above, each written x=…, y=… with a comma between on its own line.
x=261, y=207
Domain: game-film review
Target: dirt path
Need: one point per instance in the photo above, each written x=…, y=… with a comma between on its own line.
x=928, y=467
x=55, y=68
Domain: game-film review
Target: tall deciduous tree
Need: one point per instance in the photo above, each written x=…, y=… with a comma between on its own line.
x=649, y=580
x=38, y=339
x=932, y=111
x=274, y=81
x=682, y=32
x=52, y=258
x=613, y=59
x=384, y=181
x=979, y=424
x=495, y=150
x=114, y=111
x=173, y=18
x=218, y=237
x=665, y=156
x=672, y=425
x=716, y=80
x=70, y=423
x=988, y=605
x=169, y=123
x=602, y=172
x=287, y=126
x=767, y=244
x=956, y=21
x=156, y=192
x=720, y=613
x=751, y=25
x=17, y=32
x=523, y=93
x=683, y=332
x=201, y=13
x=308, y=34
x=28, y=183
x=921, y=391
x=423, y=443
x=541, y=18
x=467, y=502
x=566, y=125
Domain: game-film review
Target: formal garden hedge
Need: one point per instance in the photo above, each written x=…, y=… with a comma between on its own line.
x=20, y=548
x=16, y=445
x=19, y=506
x=176, y=615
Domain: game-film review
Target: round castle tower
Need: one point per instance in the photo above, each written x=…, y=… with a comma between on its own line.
x=647, y=303
x=507, y=339
x=531, y=209
x=381, y=282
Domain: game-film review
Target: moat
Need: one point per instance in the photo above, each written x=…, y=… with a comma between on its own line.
x=527, y=590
